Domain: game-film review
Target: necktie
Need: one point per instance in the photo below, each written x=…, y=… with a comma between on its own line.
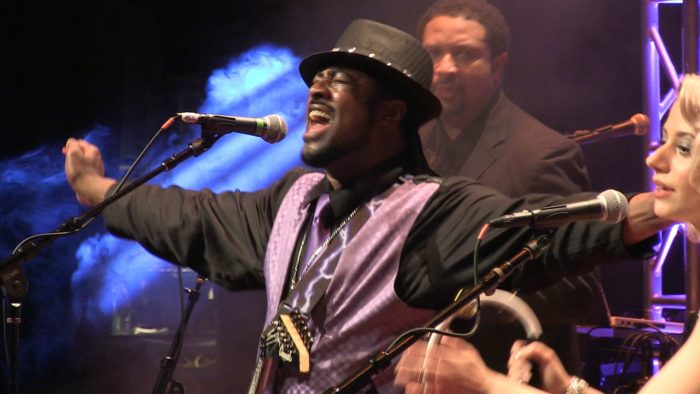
x=319, y=231
x=324, y=245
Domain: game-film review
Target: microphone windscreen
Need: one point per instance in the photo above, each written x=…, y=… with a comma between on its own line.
x=641, y=123
x=275, y=129
x=616, y=206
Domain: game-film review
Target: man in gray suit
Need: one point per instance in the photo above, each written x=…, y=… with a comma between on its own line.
x=481, y=134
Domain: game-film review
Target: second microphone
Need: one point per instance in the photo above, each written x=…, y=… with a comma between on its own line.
x=609, y=206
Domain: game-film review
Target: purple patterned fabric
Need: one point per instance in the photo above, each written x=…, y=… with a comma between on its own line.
x=322, y=267
x=320, y=230
x=360, y=313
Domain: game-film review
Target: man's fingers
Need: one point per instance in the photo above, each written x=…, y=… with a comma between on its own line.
x=79, y=145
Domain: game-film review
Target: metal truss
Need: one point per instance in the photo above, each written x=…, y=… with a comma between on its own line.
x=658, y=63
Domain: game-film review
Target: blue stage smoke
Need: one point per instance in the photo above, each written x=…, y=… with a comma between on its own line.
x=109, y=279
x=35, y=199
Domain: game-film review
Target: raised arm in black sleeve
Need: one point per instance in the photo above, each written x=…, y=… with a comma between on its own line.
x=220, y=235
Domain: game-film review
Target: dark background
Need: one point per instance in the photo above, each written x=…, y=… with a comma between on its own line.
x=68, y=66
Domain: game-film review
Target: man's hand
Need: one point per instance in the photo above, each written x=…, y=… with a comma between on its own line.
x=641, y=221
x=85, y=172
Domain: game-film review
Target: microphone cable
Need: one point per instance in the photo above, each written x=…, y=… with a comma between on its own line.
x=440, y=330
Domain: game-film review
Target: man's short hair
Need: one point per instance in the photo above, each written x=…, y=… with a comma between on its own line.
x=497, y=30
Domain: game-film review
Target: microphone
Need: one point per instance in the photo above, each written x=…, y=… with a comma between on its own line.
x=609, y=206
x=638, y=124
x=271, y=128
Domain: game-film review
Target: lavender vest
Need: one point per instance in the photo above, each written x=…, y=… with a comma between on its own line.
x=360, y=313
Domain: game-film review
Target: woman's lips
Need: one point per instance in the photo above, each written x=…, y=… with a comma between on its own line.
x=662, y=190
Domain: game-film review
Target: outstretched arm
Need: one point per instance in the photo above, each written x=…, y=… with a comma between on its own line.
x=680, y=373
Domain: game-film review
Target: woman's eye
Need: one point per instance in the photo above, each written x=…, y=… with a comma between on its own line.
x=683, y=149
x=684, y=145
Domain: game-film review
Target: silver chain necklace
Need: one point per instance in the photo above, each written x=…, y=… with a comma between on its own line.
x=318, y=250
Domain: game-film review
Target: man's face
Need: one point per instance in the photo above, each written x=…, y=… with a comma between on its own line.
x=466, y=75
x=339, y=116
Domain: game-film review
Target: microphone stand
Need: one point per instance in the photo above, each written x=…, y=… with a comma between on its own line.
x=14, y=283
x=361, y=378
x=165, y=383
x=583, y=136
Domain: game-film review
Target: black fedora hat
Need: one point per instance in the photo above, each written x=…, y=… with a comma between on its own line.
x=386, y=53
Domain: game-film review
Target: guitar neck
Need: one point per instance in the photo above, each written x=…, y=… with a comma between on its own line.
x=264, y=376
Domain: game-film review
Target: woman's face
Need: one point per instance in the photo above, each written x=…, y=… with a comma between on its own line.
x=675, y=163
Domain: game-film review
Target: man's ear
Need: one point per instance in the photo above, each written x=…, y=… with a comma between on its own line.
x=394, y=110
x=498, y=66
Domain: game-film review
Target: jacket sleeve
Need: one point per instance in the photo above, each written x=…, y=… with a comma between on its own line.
x=559, y=169
x=220, y=235
x=438, y=256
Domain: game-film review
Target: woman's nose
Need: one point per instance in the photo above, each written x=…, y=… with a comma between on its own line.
x=657, y=159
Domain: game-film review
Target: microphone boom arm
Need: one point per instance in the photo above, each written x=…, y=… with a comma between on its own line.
x=638, y=124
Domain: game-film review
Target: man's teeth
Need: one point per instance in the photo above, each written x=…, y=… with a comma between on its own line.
x=319, y=115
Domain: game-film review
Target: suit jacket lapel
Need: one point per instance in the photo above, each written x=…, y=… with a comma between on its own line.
x=489, y=146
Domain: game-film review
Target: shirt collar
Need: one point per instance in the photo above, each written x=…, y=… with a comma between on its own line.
x=345, y=199
x=476, y=127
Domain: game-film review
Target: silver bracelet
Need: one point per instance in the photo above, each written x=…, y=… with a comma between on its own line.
x=576, y=386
